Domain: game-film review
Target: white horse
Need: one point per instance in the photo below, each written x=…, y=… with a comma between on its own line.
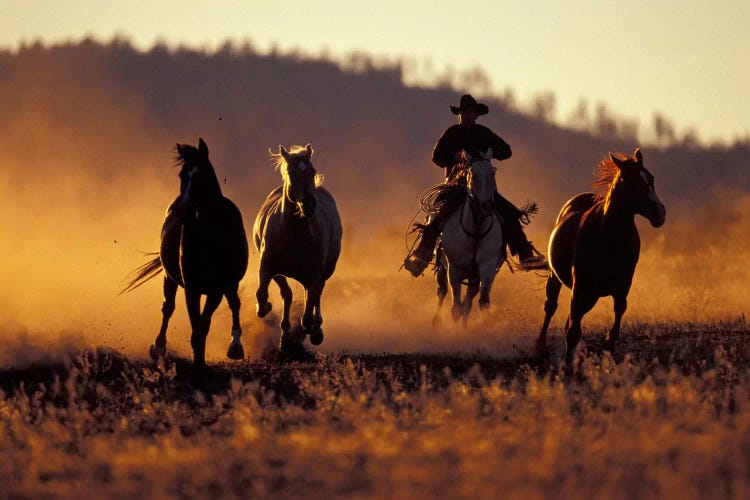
x=472, y=241
x=298, y=234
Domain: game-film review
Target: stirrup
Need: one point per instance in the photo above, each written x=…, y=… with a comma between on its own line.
x=415, y=265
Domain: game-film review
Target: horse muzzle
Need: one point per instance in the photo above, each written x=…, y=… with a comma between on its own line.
x=657, y=219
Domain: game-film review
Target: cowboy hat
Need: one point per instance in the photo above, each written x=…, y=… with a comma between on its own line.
x=469, y=103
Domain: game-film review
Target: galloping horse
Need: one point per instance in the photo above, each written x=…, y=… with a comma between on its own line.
x=298, y=234
x=472, y=241
x=203, y=249
x=594, y=246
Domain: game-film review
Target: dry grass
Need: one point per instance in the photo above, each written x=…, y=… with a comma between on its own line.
x=668, y=417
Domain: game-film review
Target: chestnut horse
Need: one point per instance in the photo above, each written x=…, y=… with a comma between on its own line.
x=594, y=246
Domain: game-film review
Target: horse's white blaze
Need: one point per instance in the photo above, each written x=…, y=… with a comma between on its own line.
x=302, y=166
x=644, y=177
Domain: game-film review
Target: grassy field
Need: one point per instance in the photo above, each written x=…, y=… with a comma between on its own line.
x=669, y=416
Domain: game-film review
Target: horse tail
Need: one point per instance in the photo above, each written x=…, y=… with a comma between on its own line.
x=144, y=273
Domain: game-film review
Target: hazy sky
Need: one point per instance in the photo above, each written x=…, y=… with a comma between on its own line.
x=687, y=59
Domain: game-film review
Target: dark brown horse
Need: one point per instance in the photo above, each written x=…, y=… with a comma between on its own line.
x=594, y=246
x=203, y=249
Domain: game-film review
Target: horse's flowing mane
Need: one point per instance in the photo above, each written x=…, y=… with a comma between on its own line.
x=606, y=172
x=295, y=151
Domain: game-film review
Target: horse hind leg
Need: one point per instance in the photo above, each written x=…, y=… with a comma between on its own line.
x=235, y=350
x=550, y=306
x=620, y=306
x=159, y=347
x=442, y=290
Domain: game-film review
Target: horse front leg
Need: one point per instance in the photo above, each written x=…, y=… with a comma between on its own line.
x=552, y=293
x=620, y=306
x=442, y=290
x=263, y=307
x=471, y=291
x=159, y=347
x=310, y=322
x=235, y=350
x=201, y=324
x=316, y=336
x=487, y=273
x=454, y=278
x=286, y=295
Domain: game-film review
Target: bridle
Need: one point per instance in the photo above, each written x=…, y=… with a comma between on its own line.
x=476, y=212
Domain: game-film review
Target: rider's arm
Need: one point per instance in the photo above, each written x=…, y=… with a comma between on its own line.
x=442, y=155
x=500, y=148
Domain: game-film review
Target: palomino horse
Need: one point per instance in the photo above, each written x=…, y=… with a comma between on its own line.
x=298, y=234
x=203, y=249
x=594, y=246
x=472, y=241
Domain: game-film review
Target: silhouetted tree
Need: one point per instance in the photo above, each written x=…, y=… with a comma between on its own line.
x=543, y=106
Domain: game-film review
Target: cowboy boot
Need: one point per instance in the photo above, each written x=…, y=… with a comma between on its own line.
x=420, y=258
x=530, y=259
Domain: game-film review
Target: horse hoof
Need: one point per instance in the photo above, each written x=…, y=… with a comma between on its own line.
x=316, y=336
x=264, y=309
x=295, y=350
x=483, y=306
x=156, y=351
x=235, y=350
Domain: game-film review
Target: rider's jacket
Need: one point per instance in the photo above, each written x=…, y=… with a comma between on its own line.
x=475, y=139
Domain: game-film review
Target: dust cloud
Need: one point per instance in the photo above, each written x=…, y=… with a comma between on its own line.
x=87, y=171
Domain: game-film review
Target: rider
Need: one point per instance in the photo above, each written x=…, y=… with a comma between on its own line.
x=475, y=139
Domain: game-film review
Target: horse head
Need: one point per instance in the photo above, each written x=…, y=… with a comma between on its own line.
x=300, y=179
x=198, y=182
x=480, y=180
x=634, y=186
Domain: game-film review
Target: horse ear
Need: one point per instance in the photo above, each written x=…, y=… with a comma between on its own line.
x=202, y=146
x=309, y=150
x=638, y=156
x=615, y=160
x=283, y=152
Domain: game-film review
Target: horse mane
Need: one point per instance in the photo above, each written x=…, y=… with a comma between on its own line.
x=186, y=152
x=606, y=172
x=294, y=151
